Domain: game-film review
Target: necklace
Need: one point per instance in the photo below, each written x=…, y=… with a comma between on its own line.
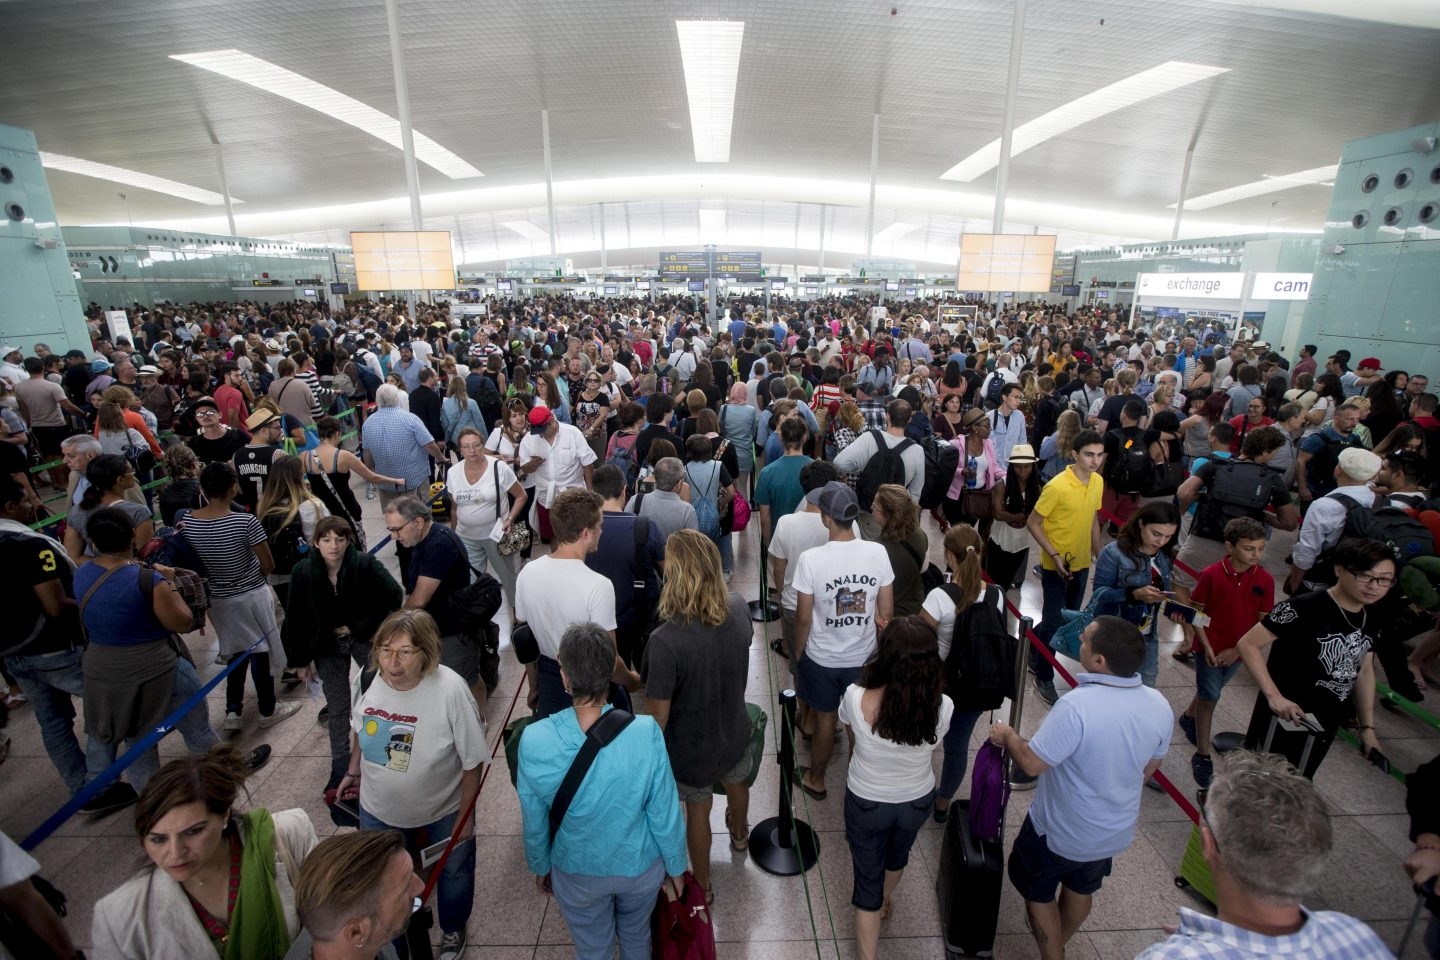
x=1364, y=614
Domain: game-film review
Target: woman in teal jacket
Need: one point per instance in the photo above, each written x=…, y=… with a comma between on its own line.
x=623, y=831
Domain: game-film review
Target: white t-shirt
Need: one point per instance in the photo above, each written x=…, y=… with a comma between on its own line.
x=415, y=745
x=564, y=463
x=844, y=577
x=794, y=534
x=552, y=594
x=883, y=770
x=939, y=605
x=476, y=507
x=505, y=447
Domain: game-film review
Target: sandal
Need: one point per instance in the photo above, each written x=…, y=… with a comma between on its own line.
x=1184, y=656
x=941, y=814
x=810, y=792
x=740, y=845
x=13, y=700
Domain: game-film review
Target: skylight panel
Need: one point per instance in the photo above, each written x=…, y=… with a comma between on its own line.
x=132, y=178
x=1304, y=178
x=710, y=53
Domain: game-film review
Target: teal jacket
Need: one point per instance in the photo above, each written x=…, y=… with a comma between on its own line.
x=625, y=814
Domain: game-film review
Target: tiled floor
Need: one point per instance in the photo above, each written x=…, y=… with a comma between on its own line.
x=758, y=915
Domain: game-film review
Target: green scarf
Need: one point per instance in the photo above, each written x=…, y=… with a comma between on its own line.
x=257, y=925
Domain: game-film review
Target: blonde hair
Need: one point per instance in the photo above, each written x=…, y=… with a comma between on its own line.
x=962, y=556
x=285, y=492
x=1161, y=397
x=419, y=628
x=1066, y=429
x=694, y=586
x=902, y=516
x=455, y=389
x=851, y=417
x=337, y=882
x=695, y=401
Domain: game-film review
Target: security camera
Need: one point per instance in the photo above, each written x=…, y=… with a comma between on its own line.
x=1423, y=144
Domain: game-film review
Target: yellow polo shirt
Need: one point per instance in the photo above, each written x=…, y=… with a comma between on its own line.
x=1069, y=509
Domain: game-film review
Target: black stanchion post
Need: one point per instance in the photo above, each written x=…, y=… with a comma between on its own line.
x=783, y=845
x=764, y=610
x=1019, y=779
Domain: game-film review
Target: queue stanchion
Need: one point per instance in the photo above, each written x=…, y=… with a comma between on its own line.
x=782, y=845
x=764, y=610
x=1019, y=779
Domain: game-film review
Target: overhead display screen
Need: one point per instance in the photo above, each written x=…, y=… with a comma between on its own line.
x=1005, y=261
x=689, y=264
x=403, y=260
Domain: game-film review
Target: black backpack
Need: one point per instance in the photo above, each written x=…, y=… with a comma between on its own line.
x=994, y=389
x=288, y=545
x=1405, y=535
x=1132, y=469
x=942, y=459
x=1237, y=488
x=885, y=466
x=980, y=668
x=1322, y=465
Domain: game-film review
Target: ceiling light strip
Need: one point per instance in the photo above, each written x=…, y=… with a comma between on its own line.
x=274, y=79
x=895, y=231
x=526, y=229
x=132, y=178
x=1143, y=86
x=1304, y=178
x=710, y=54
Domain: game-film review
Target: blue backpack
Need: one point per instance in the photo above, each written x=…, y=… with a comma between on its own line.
x=623, y=459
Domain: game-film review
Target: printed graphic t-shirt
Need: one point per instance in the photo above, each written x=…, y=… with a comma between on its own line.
x=1318, y=651
x=415, y=745
x=845, y=578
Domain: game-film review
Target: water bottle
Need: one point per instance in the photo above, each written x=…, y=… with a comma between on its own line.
x=972, y=465
x=370, y=491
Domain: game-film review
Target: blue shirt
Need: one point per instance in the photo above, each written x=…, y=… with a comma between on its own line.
x=1096, y=741
x=1326, y=935
x=117, y=614
x=396, y=440
x=410, y=373
x=625, y=814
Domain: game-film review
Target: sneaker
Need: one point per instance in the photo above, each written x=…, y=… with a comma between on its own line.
x=283, y=711
x=452, y=945
x=117, y=796
x=1046, y=689
x=221, y=660
x=1202, y=768
x=257, y=758
x=1187, y=723
x=232, y=722
x=289, y=678
x=1153, y=784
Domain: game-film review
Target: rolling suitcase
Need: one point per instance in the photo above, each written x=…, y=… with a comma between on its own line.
x=967, y=884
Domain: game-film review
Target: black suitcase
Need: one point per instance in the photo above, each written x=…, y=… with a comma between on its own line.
x=968, y=887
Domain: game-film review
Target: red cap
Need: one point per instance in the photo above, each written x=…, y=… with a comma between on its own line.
x=1369, y=363
x=539, y=415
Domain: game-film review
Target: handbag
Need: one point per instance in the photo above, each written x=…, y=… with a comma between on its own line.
x=989, y=792
x=682, y=929
x=1066, y=640
x=930, y=576
x=739, y=512
x=519, y=536
x=977, y=503
x=1165, y=479
x=758, y=720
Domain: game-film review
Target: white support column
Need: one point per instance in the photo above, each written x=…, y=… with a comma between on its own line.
x=1184, y=185
x=1007, y=131
x=225, y=187
x=874, y=166
x=402, y=103
x=824, y=210
x=602, y=243
x=549, y=182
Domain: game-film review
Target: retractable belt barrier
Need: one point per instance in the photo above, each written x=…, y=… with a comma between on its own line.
x=139, y=747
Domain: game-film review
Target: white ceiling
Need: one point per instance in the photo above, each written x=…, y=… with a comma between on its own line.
x=95, y=80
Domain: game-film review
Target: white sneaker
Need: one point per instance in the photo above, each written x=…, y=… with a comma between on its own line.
x=221, y=660
x=283, y=710
x=232, y=723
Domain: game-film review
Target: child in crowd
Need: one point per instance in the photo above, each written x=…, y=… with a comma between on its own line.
x=1235, y=592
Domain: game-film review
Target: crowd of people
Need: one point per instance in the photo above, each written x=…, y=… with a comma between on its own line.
x=594, y=464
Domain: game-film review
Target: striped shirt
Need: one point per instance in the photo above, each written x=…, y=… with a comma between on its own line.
x=308, y=378
x=1326, y=935
x=226, y=546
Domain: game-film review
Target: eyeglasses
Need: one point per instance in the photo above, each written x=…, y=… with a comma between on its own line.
x=403, y=653
x=402, y=526
x=1365, y=580
x=471, y=447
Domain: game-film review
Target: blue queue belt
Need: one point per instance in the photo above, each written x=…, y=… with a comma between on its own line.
x=112, y=772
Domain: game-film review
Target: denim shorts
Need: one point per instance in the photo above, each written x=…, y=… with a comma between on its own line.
x=1037, y=872
x=1209, y=681
x=823, y=687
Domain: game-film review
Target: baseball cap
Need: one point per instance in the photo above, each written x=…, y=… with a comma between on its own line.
x=96, y=366
x=1369, y=363
x=209, y=402
x=75, y=355
x=8, y=349
x=259, y=419
x=1359, y=465
x=540, y=418
x=837, y=501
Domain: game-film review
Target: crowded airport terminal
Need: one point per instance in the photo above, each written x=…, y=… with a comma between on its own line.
x=476, y=477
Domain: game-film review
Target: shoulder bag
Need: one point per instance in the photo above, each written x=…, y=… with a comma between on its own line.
x=519, y=536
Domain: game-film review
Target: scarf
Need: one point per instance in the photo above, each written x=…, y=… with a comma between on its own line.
x=257, y=924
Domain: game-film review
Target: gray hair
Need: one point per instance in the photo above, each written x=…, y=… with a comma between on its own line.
x=408, y=508
x=82, y=443
x=1271, y=829
x=668, y=471
x=587, y=655
x=389, y=395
